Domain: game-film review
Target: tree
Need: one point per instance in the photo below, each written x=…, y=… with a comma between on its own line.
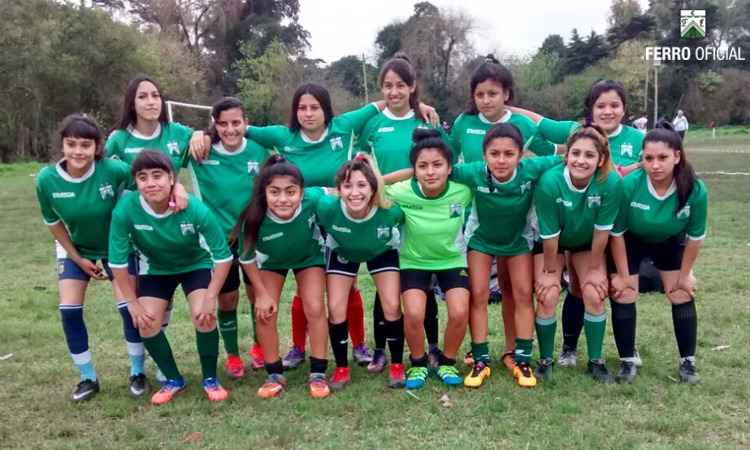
x=347, y=71
x=388, y=41
x=553, y=44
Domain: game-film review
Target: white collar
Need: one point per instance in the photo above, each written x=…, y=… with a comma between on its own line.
x=310, y=141
x=616, y=132
x=369, y=215
x=652, y=189
x=504, y=118
x=70, y=179
x=496, y=181
x=277, y=219
x=133, y=132
x=389, y=114
x=219, y=147
x=146, y=207
x=566, y=173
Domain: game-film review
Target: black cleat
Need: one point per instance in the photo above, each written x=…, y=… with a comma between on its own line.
x=598, y=370
x=544, y=369
x=688, y=373
x=85, y=391
x=139, y=385
x=627, y=372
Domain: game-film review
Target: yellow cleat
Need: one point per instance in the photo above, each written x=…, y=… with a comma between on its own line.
x=478, y=374
x=522, y=373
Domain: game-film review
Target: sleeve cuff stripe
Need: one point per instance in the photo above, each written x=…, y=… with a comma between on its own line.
x=604, y=227
x=219, y=261
x=618, y=234
x=697, y=238
x=549, y=236
x=52, y=223
x=247, y=261
x=118, y=266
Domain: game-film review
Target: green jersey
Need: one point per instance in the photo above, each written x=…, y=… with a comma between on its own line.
x=571, y=213
x=388, y=138
x=508, y=203
x=433, y=233
x=359, y=240
x=469, y=130
x=171, y=138
x=224, y=180
x=654, y=218
x=317, y=160
x=84, y=205
x=294, y=243
x=167, y=243
x=625, y=143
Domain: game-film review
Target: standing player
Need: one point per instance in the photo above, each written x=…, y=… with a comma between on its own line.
x=491, y=88
x=661, y=205
x=77, y=196
x=362, y=227
x=224, y=182
x=576, y=205
x=433, y=245
x=277, y=231
x=388, y=137
x=185, y=249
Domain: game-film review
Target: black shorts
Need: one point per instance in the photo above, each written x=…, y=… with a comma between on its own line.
x=232, y=282
x=163, y=286
x=538, y=249
x=284, y=272
x=422, y=279
x=337, y=264
x=666, y=256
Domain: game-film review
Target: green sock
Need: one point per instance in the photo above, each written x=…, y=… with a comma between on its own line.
x=595, y=326
x=481, y=352
x=545, y=332
x=208, y=350
x=523, y=350
x=252, y=315
x=159, y=349
x=228, y=329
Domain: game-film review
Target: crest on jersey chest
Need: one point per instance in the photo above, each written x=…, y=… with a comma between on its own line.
x=626, y=150
x=106, y=191
x=384, y=232
x=253, y=167
x=336, y=142
x=173, y=147
x=594, y=201
x=187, y=228
x=684, y=213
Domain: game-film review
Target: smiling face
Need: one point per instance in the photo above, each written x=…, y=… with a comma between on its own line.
x=502, y=156
x=310, y=114
x=432, y=170
x=396, y=91
x=155, y=185
x=608, y=111
x=583, y=159
x=659, y=161
x=147, y=102
x=79, y=153
x=283, y=196
x=490, y=98
x=356, y=192
x=231, y=125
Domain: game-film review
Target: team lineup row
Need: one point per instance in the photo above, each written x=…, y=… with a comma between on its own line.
x=597, y=198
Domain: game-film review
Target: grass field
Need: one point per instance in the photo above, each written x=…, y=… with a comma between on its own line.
x=571, y=411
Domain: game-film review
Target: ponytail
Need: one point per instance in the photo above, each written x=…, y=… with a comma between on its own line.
x=422, y=139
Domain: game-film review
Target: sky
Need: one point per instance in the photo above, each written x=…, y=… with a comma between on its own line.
x=348, y=27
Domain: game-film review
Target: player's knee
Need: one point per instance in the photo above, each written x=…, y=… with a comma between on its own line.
x=678, y=297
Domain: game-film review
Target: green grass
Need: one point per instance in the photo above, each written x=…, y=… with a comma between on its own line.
x=571, y=411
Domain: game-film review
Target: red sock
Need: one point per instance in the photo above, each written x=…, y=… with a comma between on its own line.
x=299, y=323
x=355, y=317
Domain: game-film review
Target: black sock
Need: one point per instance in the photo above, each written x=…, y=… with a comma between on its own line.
x=572, y=320
x=339, y=342
x=318, y=365
x=395, y=332
x=275, y=367
x=623, y=326
x=421, y=362
x=431, y=319
x=445, y=361
x=378, y=323
x=685, y=320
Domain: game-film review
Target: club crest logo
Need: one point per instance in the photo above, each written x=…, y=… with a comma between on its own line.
x=455, y=210
x=253, y=167
x=594, y=201
x=626, y=149
x=526, y=186
x=173, y=147
x=336, y=143
x=684, y=213
x=693, y=23
x=106, y=191
x=187, y=229
x=384, y=232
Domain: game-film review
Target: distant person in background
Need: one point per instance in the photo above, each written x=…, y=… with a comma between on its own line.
x=680, y=123
x=446, y=127
x=641, y=123
x=713, y=128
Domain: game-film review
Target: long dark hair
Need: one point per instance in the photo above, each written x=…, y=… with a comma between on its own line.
x=82, y=126
x=128, y=116
x=224, y=104
x=254, y=213
x=684, y=174
x=321, y=95
x=401, y=66
x=599, y=88
x=490, y=69
x=422, y=139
